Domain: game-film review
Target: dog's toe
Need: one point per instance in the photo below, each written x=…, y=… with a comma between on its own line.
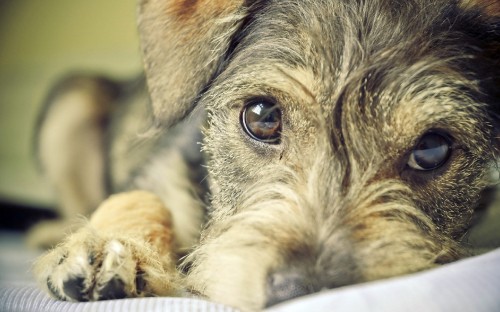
x=116, y=277
x=53, y=290
x=74, y=288
x=113, y=289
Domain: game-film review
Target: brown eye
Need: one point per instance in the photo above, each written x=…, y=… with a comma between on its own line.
x=431, y=152
x=261, y=120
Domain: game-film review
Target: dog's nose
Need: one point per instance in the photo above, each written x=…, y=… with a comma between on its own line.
x=282, y=286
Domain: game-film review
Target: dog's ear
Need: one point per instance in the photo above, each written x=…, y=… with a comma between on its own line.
x=488, y=7
x=484, y=27
x=183, y=43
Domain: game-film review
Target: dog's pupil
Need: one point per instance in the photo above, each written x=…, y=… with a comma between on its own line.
x=432, y=151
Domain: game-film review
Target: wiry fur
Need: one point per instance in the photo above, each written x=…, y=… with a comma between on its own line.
x=334, y=203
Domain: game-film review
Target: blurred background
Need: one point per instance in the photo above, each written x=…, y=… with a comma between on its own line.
x=40, y=41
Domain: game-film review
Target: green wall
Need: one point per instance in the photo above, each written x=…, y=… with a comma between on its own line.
x=40, y=40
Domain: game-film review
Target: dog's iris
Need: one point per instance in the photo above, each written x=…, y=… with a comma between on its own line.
x=261, y=120
x=431, y=152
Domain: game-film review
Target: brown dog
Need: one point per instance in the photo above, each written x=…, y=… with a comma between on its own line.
x=345, y=141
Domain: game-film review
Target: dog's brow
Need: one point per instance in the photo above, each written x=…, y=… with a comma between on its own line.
x=297, y=81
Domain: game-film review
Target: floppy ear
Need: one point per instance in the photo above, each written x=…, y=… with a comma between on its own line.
x=183, y=43
x=485, y=28
x=488, y=31
x=488, y=7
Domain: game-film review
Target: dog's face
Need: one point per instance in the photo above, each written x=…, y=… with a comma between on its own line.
x=348, y=140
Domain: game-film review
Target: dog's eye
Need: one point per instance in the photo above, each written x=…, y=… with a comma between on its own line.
x=261, y=120
x=431, y=152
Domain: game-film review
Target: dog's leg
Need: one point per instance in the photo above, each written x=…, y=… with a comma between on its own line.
x=70, y=148
x=126, y=250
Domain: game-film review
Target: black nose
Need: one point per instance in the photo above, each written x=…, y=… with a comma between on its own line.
x=282, y=286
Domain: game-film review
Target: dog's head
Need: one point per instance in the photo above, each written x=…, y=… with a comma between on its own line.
x=348, y=140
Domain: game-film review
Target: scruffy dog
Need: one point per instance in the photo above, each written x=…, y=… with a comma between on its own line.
x=343, y=141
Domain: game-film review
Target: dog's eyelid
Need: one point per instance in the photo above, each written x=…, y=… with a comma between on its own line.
x=252, y=99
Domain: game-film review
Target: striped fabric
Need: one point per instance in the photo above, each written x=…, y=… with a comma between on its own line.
x=28, y=298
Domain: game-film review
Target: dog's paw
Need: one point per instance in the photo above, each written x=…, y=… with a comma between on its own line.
x=89, y=266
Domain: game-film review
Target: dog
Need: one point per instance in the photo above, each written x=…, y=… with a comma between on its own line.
x=341, y=142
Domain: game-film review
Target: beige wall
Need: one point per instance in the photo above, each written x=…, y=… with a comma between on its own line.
x=40, y=41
